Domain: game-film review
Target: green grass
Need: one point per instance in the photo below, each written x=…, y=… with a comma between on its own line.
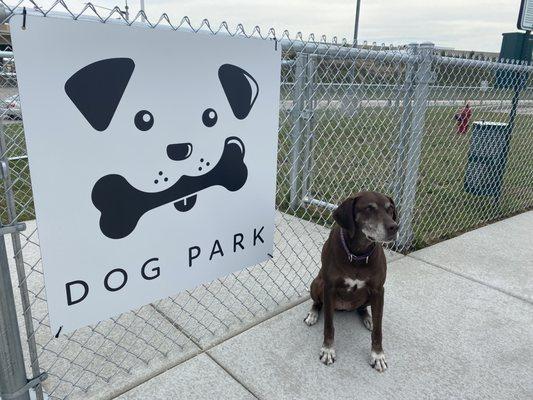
x=355, y=153
x=20, y=184
x=352, y=154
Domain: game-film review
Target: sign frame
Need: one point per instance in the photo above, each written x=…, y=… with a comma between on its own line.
x=526, y=10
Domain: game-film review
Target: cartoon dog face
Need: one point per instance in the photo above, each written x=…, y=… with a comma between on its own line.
x=97, y=91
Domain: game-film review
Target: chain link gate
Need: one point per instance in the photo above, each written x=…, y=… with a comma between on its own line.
x=351, y=118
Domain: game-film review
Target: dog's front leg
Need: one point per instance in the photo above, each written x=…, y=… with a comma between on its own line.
x=377, y=356
x=327, y=352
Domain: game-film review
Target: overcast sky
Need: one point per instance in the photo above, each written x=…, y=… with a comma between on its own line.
x=461, y=24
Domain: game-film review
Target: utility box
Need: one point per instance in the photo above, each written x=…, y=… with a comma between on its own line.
x=487, y=158
x=515, y=46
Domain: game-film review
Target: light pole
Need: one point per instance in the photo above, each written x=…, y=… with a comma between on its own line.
x=356, y=24
x=352, y=69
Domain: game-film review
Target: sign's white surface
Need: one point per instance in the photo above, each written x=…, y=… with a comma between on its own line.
x=152, y=157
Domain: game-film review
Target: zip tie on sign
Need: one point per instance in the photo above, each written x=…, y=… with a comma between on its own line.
x=58, y=332
x=24, y=18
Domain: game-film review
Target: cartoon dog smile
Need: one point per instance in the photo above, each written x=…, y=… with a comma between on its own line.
x=96, y=91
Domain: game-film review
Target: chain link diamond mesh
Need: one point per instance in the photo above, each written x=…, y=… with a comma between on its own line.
x=351, y=118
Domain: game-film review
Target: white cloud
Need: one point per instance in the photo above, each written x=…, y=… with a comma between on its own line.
x=471, y=25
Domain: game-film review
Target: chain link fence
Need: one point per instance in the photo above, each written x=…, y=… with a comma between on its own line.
x=351, y=118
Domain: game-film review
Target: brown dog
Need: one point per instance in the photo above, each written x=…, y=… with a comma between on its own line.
x=354, y=269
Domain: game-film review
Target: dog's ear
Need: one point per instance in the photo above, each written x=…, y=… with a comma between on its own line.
x=344, y=215
x=394, y=212
x=97, y=88
x=240, y=87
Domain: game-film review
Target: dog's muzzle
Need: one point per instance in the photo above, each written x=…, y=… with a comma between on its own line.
x=122, y=205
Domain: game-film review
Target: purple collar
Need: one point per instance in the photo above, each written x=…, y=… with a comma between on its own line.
x=353, y=257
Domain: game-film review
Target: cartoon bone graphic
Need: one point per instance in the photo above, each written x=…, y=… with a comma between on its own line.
x=122, y=205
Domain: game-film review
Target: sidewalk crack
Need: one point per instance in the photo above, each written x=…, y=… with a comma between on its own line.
x=472, y=279
x=227, y=371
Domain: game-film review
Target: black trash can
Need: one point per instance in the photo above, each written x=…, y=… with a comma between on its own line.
x=487, y=158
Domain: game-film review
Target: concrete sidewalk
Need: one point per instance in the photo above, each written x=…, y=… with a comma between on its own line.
x=457, y=325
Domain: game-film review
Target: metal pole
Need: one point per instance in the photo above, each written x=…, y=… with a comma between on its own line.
x=143, y=19
x=12, y=370
x=297, y=129
x=400, y=147
x=521, y=82
x=307, y=159
x=412, y=162
x=13, y=379
x=356, y=24
x=19, y=262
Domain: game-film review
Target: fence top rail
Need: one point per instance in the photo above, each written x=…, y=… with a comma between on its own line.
x=344, y=50
x=514, y=65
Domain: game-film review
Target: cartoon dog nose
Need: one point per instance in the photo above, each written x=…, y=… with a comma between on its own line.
x=179, y=151
x=236, y=141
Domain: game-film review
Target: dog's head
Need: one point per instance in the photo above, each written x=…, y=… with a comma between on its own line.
x=371, y=213
x=207, y=154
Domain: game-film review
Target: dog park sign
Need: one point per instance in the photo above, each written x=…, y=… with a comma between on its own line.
x=152, y=156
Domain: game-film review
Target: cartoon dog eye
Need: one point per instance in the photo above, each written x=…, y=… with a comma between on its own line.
x=144, y=120
x=97, y=89
x=209, y=117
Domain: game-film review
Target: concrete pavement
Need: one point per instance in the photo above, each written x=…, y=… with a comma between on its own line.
x=457, y=325
x=499, y=255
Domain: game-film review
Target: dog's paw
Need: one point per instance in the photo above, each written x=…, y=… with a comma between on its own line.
x=327, y=355
x=367, y=322
x=377, y=361
x=312, y=318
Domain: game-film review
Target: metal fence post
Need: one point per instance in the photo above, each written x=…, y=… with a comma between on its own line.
x=297, y=133
x=13, y=378
x=400, y=146
x=420, y=102
x=307, y=158
x=19, y=263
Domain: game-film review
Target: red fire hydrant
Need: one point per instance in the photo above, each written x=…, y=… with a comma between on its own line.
x=463, y=118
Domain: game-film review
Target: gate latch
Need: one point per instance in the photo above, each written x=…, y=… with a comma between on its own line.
x=8, y=229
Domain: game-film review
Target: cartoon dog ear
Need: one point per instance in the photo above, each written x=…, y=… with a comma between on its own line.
x=97, y=88
x=240, y=87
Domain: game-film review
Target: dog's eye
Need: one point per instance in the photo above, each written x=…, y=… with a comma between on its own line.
x=144, y=120
x=209, y=117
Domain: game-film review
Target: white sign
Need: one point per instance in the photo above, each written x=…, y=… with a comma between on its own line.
x=152, y=157
x=525, y=16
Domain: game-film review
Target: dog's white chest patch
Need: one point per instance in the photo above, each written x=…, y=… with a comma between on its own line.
x=354, y=283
